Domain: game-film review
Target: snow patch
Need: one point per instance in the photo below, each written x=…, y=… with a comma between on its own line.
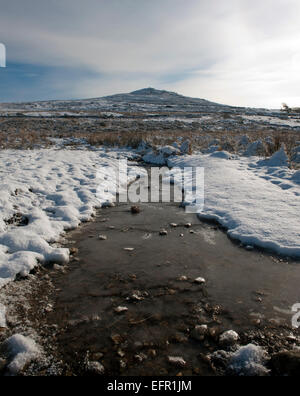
x=280, y=158
x=2, y=316
x=55, y=190
x=259, y=206
x=249, y=361
x=22, y=351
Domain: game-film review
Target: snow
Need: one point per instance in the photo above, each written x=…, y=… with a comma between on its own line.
x=280, y=158
x=160, y=156
x=275, y=121
x=249, y=361
x=2, y=316
x=258, y=205
x=255, y=148
x=55, y=190
x=21, y=351
x=229, y=337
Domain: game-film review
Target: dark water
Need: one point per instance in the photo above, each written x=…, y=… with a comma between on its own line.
x=241, y=288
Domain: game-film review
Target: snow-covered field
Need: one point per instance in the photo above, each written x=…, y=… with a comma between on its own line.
x=257, y=201
x=54, y=191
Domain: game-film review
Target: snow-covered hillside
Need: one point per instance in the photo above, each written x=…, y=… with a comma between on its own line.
x=150, y=104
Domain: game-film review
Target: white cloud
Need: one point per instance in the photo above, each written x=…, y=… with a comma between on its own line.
x=242, y=52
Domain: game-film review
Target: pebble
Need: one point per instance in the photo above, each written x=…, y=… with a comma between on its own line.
x=116, y=338
x=123, y=364
x=173, y=225
x=200, y=332
x=121, y=353
x=96, y=368
x=249, y=248
x=135, y=210
x=183, y=278
x=103, y=237
x=141, y=357
x=163, y=233
x=129, y=249
x=57, y=267
x=3, y=364
x=177, y=361
x=200, y=281
x=153, y=352
x=98, y=355
x=229, y=338
x=121, y=309
x=188, y=225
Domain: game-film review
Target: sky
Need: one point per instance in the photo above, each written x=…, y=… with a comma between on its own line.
x=236, y=52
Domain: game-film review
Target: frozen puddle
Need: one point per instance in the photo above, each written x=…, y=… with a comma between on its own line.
x=132, y=300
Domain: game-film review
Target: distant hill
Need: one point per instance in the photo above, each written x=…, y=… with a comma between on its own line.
x=155, y=96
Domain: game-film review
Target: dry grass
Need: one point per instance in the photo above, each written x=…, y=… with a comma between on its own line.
x=20, y=133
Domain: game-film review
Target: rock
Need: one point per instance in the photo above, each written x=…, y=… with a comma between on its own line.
x=129, y=249
x=97, y=356
x=73, y=251
x=121, y=309
x=199, y=333
x=49, y=308
x=188, y=225
x=152, y=353
x=181, y=235
x=116, y=338
x=123, y=364
x=138, y=296
x=163, y=233
x=229, y=338
x=173, y=225
x=135, y=210
x=102, y=237
x=58, y=267
x=95, y=368
x=286, y=363
x=121, y=353
x=183, y=278
x=177, y=361
x=141, y=357
x=3, y=364
x=200, y=281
